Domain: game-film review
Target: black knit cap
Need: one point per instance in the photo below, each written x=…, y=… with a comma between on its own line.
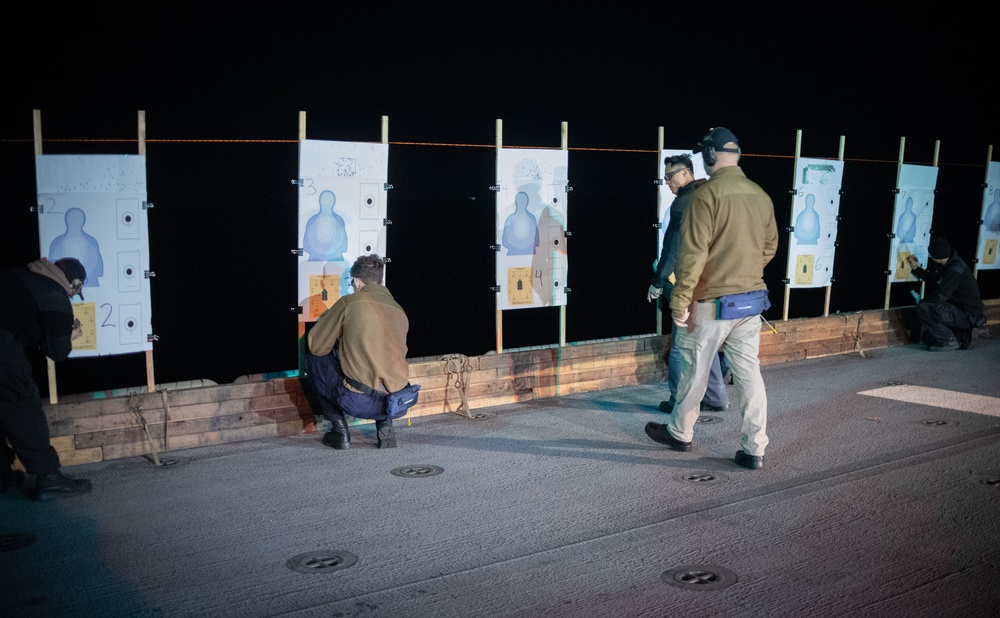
x=939, y=249
x=75, y=272
x=72, y=268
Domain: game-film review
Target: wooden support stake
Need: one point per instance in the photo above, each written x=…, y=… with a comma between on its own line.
x=49, y=363
x=826, y=300
x=937, y=152
x=659, y=232
x=795, y=179
x=496, y=223
x=150, y=379
x=899, y=169
x=979, y=234
x=302, y=347
x=562, y=308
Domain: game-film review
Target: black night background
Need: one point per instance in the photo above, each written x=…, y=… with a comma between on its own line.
x=222, y=91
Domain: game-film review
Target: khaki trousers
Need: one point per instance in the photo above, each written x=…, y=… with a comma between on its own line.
x=698, y=345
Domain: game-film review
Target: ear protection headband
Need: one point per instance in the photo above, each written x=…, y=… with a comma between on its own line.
x=709, y=151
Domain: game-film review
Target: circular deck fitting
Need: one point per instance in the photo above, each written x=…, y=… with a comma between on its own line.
x=703, y=478
x=418, y=471
x=146, y=461
x=936, y=422
x=164, y=462
x=17, y=540
x=709, y=419
x=322, y=561
x=699, y=577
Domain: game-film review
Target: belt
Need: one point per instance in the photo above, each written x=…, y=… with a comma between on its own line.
x=364, y=388
x=708, y=300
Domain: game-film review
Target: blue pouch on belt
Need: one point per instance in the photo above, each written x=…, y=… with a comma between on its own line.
x=396, y=404
x=744, y=305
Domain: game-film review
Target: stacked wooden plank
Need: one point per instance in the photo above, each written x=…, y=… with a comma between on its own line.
x=87, y=429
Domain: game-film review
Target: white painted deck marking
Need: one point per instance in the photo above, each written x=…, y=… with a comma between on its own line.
x=939, y=398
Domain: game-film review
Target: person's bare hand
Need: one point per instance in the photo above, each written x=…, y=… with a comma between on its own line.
x=682, y=321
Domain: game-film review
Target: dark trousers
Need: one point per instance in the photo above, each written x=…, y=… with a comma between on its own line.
x=941, y=322
x=23, y=422
x=335, y=399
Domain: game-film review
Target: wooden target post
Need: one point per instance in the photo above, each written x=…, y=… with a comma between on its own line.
x=900, y=162
x=564, y=145
x=51, y=366
x=791, y=231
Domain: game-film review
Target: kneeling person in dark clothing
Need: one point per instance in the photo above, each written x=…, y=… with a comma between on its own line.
x=952, y=307
x=357, y=355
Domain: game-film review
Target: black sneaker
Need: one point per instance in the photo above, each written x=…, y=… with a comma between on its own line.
x=58, y=485
x=667, y=406
x=659, y=433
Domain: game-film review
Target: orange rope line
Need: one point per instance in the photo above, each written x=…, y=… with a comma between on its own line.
x=580, y=149
x=221, y=141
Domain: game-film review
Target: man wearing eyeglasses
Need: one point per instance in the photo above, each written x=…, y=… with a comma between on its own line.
x=679, y=176
x=35, y=314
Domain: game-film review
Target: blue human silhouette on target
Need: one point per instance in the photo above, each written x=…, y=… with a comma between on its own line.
x=77, y=243
x=326, y=235
x=520, y=230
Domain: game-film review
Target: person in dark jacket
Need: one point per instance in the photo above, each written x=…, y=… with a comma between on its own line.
x=679, y=176
x=35, y=312
x=952, y=306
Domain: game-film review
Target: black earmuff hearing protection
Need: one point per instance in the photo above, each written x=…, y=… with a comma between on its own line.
x=709, y=151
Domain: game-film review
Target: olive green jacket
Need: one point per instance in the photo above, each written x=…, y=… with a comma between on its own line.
x=728, y=235
x=369, y=330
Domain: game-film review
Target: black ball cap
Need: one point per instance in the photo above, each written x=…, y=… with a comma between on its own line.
x=717, y=138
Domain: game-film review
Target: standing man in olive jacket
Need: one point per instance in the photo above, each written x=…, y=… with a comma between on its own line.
x=35, y=312
x=357, y=355
x=679, y=176
x=727, y=237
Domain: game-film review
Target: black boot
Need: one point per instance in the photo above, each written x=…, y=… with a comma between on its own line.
x=58, y=485
x=339, y=436
x=385, y=433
